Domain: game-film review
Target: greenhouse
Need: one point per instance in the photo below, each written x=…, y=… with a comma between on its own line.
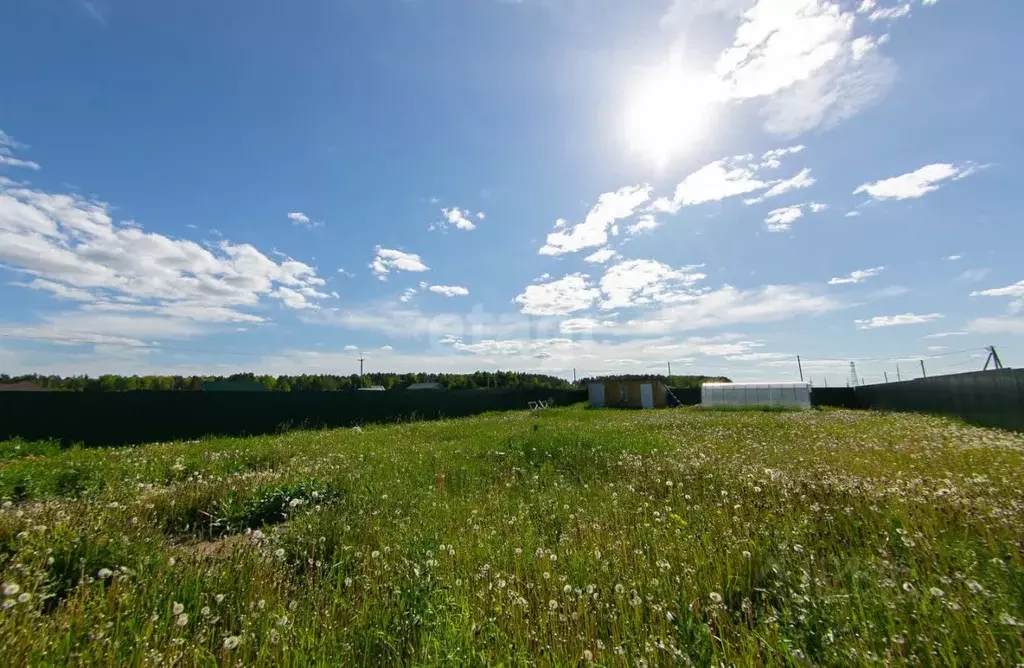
x=795, y=395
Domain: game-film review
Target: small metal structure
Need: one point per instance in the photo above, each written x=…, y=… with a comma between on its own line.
x=541, y=403
x=425, y=386
x=373, y=388
x=628, y=394
x=788, y=395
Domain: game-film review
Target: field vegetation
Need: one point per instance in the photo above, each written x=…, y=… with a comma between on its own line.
x=565, y=537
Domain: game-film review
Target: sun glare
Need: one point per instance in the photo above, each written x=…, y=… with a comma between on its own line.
x=668, y=113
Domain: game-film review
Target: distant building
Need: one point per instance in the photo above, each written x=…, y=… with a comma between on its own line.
x=373, y=388
x=233, y=386
x=426, y=386
x=628, y=394
x=25, y=386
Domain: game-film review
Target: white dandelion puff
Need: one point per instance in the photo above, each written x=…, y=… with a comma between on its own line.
x=10, y=589
x=182, y=619
x=104, y=573
x=231, y=642
x=177, y=608
x=715, y=597
x=24, y=597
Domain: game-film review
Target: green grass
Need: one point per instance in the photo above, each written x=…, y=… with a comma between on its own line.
x=623, y=538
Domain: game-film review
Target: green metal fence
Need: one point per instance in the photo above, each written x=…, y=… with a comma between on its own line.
x=118, y=418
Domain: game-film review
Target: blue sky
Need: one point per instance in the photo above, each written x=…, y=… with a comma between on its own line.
x=541, y=185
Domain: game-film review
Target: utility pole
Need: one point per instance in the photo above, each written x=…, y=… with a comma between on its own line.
x=361, y=360
x=899, y=379
x=670, y=371
x=826, y=381
x=574, y=375
x=993, y=358
x=800, y=366
x=924, y=374
x=853, y=373
x=886, y=374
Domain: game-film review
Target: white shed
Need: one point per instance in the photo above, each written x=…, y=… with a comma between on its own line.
x=792, y=395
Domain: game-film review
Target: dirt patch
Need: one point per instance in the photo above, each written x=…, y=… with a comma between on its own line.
x=220, y=548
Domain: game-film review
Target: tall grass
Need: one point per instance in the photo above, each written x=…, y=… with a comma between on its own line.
x=561, y=538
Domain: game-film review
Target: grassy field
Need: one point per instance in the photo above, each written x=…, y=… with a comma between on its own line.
x=619, y=538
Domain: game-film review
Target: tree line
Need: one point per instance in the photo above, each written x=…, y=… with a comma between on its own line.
x=671, y=381
x=288, y=383
x=331, y=382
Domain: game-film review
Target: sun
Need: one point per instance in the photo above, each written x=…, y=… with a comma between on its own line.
x=668, y=112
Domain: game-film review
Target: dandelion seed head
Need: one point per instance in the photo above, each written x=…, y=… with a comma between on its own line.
x=715, y=597
x=177, y=608
x=24, y=597
x=10, y=589
x=231, y=642
x=181, y=620
x=104, y=573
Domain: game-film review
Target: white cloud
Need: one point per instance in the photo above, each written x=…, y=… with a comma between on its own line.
x=601, y=256
x=915, y=184
x=71, y=242
x=817, y=207
x=450, y=290
x=770, y=159
x=351, y=348
x=460, y=219
x=640, y=282
x=848, y=84
x=779, y=220
x=1014, y=290
x=11, y=161
x=718, y=180
x=866, y=6
x=407, y=295
x=593, y=231
x=8, y=146
x=780, y=43
x=997, y=325
x=386, y=349
x=897, y=320
x=857, y=276
x=890, y=13
x=298, y=218
x=954, y=258
x=643, y=223
x=973, y=274
x=730, y=177
x=578, y=325
x=943, y=335
x=730, y=306
x=566, y=295
x=59, y=290
x=116, y=329
x=852, y=214
x=861, y=46
x=803, y=179
x=388, y=260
